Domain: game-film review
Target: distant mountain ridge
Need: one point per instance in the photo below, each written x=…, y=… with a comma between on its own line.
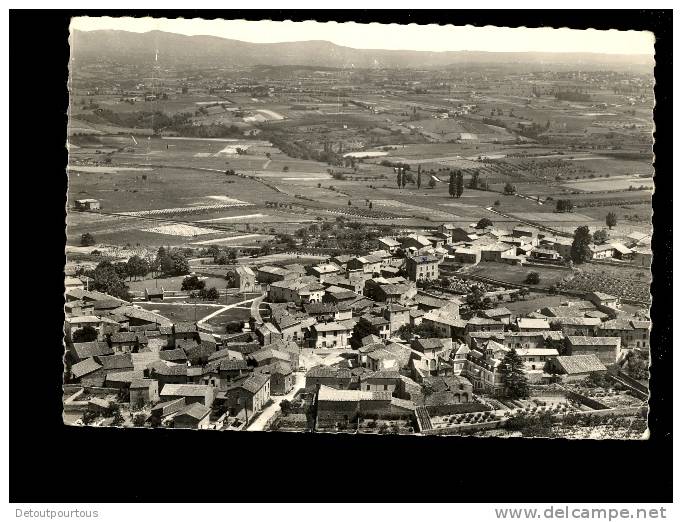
x=177, y=49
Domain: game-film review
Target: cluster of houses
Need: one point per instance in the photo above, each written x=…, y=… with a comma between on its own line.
x=355, y=311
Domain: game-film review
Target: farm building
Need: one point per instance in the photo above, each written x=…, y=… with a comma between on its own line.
x=245, y=279
x=607, y=349
x=88, y=204
x=576, y=367
x=193, y=416
x=422, y=268
x=467, y=255
x=153, y=293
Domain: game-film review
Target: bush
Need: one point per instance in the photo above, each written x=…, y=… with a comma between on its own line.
x=87, y=239
x=533, y=278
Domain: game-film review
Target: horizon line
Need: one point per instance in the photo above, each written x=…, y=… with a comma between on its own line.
x=651, y=55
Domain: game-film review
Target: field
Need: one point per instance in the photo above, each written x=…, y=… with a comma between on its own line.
x=313, y=155
x=184, y=312
x=517, y=274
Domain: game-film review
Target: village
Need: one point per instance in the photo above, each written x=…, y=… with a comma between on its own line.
x=403, y=338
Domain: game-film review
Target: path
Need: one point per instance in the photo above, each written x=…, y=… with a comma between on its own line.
x=224, y=308
x=267, y=413
x=255, y=308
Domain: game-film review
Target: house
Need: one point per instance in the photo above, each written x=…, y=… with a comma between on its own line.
x=397, y=315
x=368, y=264
x=193, y=416
x=382, y=359
x=82, y=351
x=632, y=333
x=422, y=268
x=482, y=369
x=445, y=390
x=382, y=380
x=268, y=333
x=501, y=314
x=317, y=376
x=463, y=235
x=73, y=324
x=71, y=283
x=374, y=324
x=603, y=299
x=282, y=377
x=607, y=349
x=324, y=270
x=602, y=251
x=388, y=243
x=343, y=407
x=445, y=321
x=192, y=393
x=496, y=251
x=484, y=324
x=143, y=391
x=535, y=360
x=269, y=274
x=88, y=204
x=467, y=255
x=522, y=231
x=416, y=243
x=544, y=254
x=641, y=256
x=576, y=325
x=390, y=292
x=127, y=342
x=330, y=335
x=301, y=290
x=87, y=372
x=151, y=294
x=245, y=279
x=248, y=395
x=576, y=367
x=431, y=347
x=527, y=324
x=164, y=409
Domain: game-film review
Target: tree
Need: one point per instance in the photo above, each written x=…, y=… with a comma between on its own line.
x=211, y=294
x=473, y=181
x=509, y=189
x=451, y=186
x=497, y=203
x=285, y=406
x=192, y=283
x=87, y=334
x=514, y=375
x=350, y=204
x=611, y=220
x=459, y=184
x=427, y=391
x=399, y=176
x=370, y=205
x=87, y=239
x=600, y=236
x=232, y=256
x=175, y=264
x=139, y=420
x=231, y=279
x=533, y=278
x=106, y=279
x=580, y=249
x=419, y=177
x=432, y=182
x=137, y=267
x=484, y=223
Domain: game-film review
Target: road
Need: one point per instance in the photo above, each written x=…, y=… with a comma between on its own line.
x=255, y=309
x=267, y=413
x=227, y=307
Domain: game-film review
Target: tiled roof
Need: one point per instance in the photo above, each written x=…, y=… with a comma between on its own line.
x=85, y=367
x=195, y=410
x=255, y=382
x=572, y=364
x=580, y=340
x=91, y=349
x=186, y=390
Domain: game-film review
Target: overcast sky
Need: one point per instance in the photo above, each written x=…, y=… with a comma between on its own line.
x=392, y=36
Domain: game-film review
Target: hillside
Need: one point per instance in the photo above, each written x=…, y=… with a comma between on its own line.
x=176, y=49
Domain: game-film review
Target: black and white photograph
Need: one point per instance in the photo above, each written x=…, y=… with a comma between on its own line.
x=270, y=257
x=309, y=237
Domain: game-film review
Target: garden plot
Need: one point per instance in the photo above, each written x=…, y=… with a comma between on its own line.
x=432, y=213
x=178, y=229
x=96, y=169
x=610, y=184
x=551, y=217
x=229, y=240
x=183, y=210
x=233, y=218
